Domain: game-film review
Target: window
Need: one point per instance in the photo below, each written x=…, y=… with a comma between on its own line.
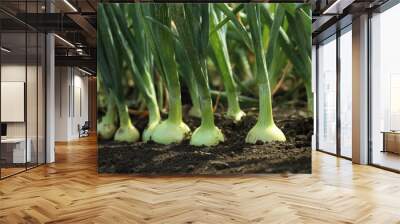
x=385, y=89
x=22, y=75
x=327, y=96
x=346, y=95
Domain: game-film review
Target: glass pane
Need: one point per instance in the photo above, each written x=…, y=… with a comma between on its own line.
x=41, y=99
x=31, y=98
x=386, y=89
x=346, y=94
x=32, y=88
x=13, y=86
x=327, y=96
x=23, y=85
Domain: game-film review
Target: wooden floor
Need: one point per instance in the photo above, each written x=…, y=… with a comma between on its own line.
x=71, y=191
x=5, y=172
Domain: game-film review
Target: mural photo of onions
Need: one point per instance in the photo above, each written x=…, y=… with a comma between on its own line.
x=204, y=88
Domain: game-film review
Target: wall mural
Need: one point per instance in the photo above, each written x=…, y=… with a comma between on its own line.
x=204, y=88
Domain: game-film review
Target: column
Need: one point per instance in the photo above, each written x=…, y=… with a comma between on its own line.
x=360, y=90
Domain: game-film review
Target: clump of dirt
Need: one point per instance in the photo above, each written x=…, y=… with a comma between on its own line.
x=234, y=156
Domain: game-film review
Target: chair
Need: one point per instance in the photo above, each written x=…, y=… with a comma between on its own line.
x=84, y=130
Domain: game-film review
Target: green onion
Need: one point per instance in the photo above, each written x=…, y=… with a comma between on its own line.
x=147, y=51
x=172, y=130
x=110, y=68
x=188, y=78
x=192, y=24
x=106, y=127
x=222, y=61
x=135, y=50
x=296, y=42
x=299, y=31
x=265, y=129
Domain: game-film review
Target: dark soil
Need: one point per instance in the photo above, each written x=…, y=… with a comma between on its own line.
x=234, y=156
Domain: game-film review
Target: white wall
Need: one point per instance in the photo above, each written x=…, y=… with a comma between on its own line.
x=80, y=110
x=33, y=127
x=12, y=73
x=61, y=103
x=16, y=73
x=71, y=102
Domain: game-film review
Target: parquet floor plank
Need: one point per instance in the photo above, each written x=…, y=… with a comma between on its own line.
x=71, y=191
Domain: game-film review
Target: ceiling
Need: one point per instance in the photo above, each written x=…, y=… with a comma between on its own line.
x=330, y=15
x=74, y=22
x=16, y=42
